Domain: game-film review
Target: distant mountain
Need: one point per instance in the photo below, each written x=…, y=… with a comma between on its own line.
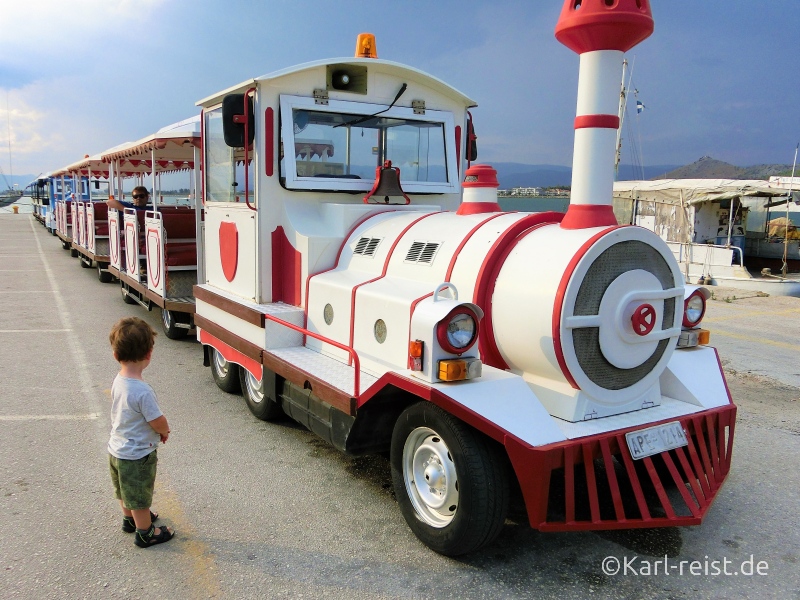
x=511, y=175
x=710, y=168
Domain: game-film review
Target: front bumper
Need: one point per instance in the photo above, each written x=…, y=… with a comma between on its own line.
x=592, y=483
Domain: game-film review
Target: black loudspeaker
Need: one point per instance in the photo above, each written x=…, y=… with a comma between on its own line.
x=233, y=120
x=347, y=78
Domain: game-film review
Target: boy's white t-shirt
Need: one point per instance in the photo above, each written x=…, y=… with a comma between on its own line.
x=133, y=404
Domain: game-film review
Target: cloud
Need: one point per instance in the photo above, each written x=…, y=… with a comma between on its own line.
x=45, y=37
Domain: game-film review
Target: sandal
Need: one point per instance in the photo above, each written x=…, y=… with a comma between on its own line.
x=145, y=539
x=129, y=526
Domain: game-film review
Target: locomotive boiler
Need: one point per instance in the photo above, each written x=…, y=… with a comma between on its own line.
x=360, y=276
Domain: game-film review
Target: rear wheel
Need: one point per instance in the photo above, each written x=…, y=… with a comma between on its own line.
x=73, y=252
x=226, y=374
x=65, y=245
x=103, y=275
x=451, y=482
x=86, y=263
x=126, y=297
x=259, y=403
x=170, y=325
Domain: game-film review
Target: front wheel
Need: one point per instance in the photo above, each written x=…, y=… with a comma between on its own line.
x=451, y=482
x=170, y=325
x=73, y=252
x=259, y=403
x=226, y=374
x=86, y=263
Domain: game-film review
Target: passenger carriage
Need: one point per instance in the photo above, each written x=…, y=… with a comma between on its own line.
x=67, y=189
x=354, y=283
x=154, y=252
x=88, y=213
x=40, y=193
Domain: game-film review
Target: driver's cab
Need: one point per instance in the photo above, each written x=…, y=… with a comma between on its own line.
x=319, y=135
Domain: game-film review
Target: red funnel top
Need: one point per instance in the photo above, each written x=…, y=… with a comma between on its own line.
x=588, y=25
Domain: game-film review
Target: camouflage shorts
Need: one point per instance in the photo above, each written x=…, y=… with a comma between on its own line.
x=134, y=480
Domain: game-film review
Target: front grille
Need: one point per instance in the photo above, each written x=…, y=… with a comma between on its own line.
x=595, y=484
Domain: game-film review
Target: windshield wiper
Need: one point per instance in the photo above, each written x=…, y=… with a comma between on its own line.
x=368, y=117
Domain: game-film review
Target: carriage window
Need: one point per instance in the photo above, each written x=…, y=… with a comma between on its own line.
x=329, y=148
x=224, y=166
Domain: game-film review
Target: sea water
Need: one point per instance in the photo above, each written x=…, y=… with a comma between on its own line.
x=534, y=203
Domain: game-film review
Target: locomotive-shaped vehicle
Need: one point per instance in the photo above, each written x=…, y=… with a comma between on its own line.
x=353, y=282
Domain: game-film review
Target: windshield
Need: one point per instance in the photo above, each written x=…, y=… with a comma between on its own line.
x=330, y=144
x=339, y=146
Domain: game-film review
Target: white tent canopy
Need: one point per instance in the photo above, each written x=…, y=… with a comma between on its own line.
x=694, y=191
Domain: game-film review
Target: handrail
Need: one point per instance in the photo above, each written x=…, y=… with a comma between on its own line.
x=246, y=144
x=731, y=247
x=353, y=354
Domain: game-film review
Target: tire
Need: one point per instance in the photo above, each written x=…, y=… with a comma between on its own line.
x=73, y=252
x=65, y=245
x=226, y=374
x=261, y=405
x=104, y=276
x=170, y=325
x=463, y=505
x=126, y=298
x=85, y=264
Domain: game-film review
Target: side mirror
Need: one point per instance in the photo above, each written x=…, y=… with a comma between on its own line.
x=233, y=120
x=472, y=142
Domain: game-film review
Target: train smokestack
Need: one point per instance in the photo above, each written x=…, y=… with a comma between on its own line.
x=600, y=31
x=480, y=191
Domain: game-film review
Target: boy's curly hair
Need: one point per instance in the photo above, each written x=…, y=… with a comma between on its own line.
x=131, y=339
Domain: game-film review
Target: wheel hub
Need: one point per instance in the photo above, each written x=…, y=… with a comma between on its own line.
x=220, y=364
x=255, y=388
x=430, y=476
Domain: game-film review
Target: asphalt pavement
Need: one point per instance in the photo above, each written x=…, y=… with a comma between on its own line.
x=267, y=510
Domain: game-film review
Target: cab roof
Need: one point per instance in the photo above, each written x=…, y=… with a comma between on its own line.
x=399, y=70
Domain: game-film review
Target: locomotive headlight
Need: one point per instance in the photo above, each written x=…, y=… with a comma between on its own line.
x=694, y=307
x=458, y=331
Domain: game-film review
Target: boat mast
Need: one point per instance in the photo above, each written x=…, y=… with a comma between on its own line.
x=784, y=268
x=10, y=166
x=623, y=95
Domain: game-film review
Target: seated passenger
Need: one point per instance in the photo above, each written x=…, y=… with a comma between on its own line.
x=140, y=198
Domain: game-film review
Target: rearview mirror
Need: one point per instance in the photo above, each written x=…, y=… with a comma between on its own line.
x=233, y=120
x=472, y=142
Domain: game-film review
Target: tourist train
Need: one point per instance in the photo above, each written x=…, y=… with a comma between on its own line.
x=347, y=264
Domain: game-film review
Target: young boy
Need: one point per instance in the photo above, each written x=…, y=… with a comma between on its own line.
x=137, y=425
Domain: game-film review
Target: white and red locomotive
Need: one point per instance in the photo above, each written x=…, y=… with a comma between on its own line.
x=354, y=283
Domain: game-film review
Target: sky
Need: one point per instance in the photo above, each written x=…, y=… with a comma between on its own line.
x=717, y=78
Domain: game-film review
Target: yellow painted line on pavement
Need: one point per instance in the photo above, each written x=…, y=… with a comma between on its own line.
x=205, y=579
x=89, y=417
x=749, y=338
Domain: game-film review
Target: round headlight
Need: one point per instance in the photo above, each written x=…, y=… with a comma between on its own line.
x=693, y=310
x=458, y=331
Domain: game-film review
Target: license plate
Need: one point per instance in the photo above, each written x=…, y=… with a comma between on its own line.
x=654, y=440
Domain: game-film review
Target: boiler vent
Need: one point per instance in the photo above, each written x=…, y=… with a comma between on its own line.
x=366, y=246
x=422, y=252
